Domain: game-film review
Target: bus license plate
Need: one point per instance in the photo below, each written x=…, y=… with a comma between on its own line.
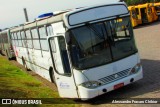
x=118, y=85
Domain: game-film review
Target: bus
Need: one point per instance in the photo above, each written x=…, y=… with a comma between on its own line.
x=6, y=45
x=134, y=17
x=144, y=13
x=154, y=12
x=157, y=7
x=86, y=52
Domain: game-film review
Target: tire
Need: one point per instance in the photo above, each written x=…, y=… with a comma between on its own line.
x=25, y=65
x=52, y=75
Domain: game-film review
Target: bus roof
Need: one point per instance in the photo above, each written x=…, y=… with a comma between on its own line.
x=143, y=5
x=95, y=13
x=131, y=7
x=64, y=15
x=157, y=4
x=4, y=31
x=41, y=22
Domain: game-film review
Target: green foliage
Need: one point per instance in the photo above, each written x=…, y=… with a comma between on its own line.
x=15, y=83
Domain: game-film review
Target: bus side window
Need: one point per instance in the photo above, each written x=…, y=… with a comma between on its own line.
x=16, y=39
x=137, y=11
x=43, y=39
x=19, y=39
x=6, y=38
x=64, y=56
x=49, y=30
x=13, y=39
x=29, y=39
x=23, y=39
x=35, y=38
x=42, y=32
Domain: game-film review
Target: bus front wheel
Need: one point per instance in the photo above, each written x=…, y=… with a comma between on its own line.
x=52, y=75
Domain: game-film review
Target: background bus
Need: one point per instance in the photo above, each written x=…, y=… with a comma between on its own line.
x=6, y=45
x=144, y=13
x=157, y=7
x=134, y=17
x=86, y=52
x=154, y=12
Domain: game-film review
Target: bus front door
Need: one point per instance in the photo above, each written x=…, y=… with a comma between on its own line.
x=63, y=77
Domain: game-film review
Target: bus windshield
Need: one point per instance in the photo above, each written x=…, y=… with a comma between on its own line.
x=101, y=43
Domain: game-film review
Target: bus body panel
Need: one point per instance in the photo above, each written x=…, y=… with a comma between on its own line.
x=105, y=71
x=110, y=69
x=86, y=93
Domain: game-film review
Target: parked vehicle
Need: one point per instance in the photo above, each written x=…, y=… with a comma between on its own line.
x=154, y=12
x=6, y=47
x=86, y=52
x=157, y=7
x=144, y=13
x=134, y=17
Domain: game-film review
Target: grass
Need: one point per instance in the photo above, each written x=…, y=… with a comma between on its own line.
x=15, y=83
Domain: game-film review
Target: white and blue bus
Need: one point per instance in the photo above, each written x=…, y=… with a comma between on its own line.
x=86, y=52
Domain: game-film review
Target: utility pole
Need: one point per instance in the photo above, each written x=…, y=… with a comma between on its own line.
x=25, y=14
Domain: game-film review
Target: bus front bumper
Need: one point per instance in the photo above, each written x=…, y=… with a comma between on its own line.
x=86, y=93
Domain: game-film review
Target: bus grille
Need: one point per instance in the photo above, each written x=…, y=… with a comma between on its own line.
x=115, y=76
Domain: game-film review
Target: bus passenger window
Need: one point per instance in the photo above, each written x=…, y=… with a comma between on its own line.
x=19, y=39
x=29, y=39
x=137, y=11
x=43, y=39
x=42, y=32
x=49, y=30
x=23, y=39
x=35, y=37
x=44, y=44
x=16, y=41
x=13, y=39
x=12, y=36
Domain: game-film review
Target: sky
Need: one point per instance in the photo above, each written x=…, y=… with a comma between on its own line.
x=12, y=14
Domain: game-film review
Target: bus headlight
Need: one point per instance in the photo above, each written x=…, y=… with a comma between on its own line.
x=91, y=84
x=136, y=68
